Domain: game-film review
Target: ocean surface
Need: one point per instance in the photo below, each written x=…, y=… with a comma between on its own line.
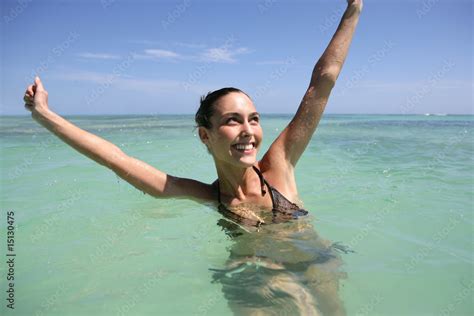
x=390, y=230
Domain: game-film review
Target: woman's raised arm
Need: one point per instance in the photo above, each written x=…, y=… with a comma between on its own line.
x=141, y=175
x=293, y=140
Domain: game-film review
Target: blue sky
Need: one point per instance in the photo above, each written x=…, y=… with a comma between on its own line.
x=153, y=57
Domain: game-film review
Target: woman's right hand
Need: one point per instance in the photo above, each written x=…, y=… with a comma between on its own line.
x=36, y=97
x=357, y=3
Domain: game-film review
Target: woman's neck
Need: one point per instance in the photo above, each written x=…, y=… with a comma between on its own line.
x=237, y=182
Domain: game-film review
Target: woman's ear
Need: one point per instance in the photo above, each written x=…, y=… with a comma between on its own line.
x=203, y=135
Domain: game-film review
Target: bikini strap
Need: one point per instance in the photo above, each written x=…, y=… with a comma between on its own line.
x=264, y=182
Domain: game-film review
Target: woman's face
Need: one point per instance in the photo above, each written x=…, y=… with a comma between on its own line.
x=236, y=134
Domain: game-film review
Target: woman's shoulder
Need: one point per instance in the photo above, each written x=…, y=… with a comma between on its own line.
x=193, y=189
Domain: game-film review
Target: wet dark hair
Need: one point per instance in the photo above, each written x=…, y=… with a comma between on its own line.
x=206, y=108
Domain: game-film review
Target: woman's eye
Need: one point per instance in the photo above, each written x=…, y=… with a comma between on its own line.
x=256, y=119
x=230, y=120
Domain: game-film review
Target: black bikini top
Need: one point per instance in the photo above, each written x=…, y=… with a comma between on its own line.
x=282, y=208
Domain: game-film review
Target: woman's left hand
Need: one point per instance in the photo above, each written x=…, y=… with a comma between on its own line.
x=36, y=97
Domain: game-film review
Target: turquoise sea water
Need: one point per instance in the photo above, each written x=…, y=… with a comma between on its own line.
x=397, y=191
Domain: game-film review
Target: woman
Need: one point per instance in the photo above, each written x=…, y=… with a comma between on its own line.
x=229, y=126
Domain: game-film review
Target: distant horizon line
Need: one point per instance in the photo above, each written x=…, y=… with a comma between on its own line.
x=262, y=113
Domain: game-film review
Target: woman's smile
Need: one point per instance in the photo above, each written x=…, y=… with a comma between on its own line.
x=244, y=148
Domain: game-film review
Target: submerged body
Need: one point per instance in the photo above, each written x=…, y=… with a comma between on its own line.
x=281, y=269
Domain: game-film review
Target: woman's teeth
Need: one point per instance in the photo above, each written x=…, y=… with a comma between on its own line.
x=244, y=146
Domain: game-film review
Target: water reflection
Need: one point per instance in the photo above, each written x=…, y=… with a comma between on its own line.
x=281, y=269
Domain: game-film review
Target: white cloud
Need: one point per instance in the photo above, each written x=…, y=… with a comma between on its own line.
x=218, y=55
x=211, y=55
x=161, y=53
x=199, y=53
x=222, y=54
x=98, y=56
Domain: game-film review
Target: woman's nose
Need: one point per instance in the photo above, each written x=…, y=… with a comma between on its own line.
x=247, y=128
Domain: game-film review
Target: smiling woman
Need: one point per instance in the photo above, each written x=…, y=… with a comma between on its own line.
x=229, y=126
